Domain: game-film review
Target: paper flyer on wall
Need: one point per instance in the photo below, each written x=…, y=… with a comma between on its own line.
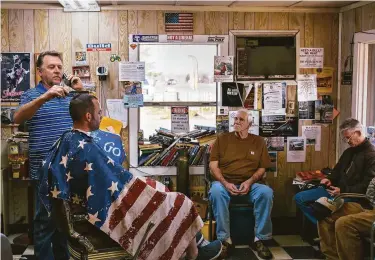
x=180, y=119
x=15, y=75
x=223, y=111
x=131, y=71
x=222, y=124
x=254, y=129
x=306, y=110
x=232, y=94
x=273, y=167
x=324, y=79
x=249, y=102
x=306, y=88
x=296, y=149
x=275, y=143
x=223, y=71
x=272, y=96
x=116, y=110
x=288, y=128
x=313, y=134
x=324, y=110
x=311, y=58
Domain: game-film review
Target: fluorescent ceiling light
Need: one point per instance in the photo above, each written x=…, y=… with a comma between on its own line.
x=80, y=5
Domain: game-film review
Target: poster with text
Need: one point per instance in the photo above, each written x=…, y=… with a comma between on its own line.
x=223, y=71
x=133, y=101
x=324, y=79
x=296, y=149
x=306, y=110
x=287, y=128
x=324, y=110
x=81, y=58
x=180, y=119
x=311, y=58
x=272, y=96
x=15, y=75
x=313, y=134
x=116, y=110
x=131, y=71
x=306, y=88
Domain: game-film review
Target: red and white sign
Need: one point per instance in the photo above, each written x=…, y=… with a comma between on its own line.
x=180, y=119
x=180, y=38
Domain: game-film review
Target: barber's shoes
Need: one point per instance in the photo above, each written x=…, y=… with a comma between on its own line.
x=262, y=251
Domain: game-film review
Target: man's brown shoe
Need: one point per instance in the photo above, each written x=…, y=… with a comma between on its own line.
x=226, y=250
x=262, y=251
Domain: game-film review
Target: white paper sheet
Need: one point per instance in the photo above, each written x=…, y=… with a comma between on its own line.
x=273, y=96
x=117, y=111
x=307, y=89
x=313, y=135
x=296, y=149
x=311, y=58
x=131, y=71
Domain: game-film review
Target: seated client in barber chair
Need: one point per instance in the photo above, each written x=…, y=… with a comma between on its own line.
x=238, y=161
x=118, y=203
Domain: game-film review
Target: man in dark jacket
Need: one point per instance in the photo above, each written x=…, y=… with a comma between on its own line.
x=352, y=173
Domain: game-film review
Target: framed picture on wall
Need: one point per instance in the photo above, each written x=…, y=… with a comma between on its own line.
x=15, y=75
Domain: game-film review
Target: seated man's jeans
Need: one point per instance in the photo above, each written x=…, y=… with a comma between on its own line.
x=304, y=198
x=50, y=244
x=261, y=196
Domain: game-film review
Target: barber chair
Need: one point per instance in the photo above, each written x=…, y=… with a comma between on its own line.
x=241, y=213
x=86, y=241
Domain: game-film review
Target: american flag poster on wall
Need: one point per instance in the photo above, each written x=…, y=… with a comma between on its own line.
x=179, y=22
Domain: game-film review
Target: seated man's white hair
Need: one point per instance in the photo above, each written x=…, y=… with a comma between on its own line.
x=351, y=124
x=249, y=115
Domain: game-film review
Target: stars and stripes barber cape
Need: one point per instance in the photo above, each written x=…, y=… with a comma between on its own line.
x=122, y=205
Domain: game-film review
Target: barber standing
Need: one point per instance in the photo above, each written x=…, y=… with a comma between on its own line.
x=45, y=108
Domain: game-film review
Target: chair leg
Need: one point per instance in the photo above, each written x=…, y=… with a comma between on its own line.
x=210, y=223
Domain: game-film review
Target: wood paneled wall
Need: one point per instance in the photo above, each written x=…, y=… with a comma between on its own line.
x=38, y=30
x=355, y=20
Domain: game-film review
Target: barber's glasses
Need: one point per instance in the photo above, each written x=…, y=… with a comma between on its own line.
x=347, y=140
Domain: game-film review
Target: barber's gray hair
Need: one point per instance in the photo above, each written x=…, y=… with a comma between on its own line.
x=249, y=115
x=351, y=124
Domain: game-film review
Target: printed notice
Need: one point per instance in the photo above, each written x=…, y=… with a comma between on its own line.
x=306, y=88
x=313, y=135
x=131, y=71
x=116, y=110
x=223, y=71
x=296, y=149
x=311, y=58
x=180, y=119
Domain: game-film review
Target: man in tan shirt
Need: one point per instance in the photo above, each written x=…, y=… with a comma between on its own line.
x=238, y=162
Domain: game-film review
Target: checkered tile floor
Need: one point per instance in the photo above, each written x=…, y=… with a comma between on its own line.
x=282, y=247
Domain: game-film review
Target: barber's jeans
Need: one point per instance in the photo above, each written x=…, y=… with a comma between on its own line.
x=50, y=244
x=261, y=196
x=304, y=198
x=341, y=235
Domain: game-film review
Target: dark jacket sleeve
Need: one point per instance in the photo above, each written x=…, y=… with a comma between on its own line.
x=334, y=177
x=369, y=174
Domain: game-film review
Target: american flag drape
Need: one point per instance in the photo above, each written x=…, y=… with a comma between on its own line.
x=117, y=202
x=179, y=22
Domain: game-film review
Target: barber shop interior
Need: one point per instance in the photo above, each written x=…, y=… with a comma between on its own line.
x=187, y=130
